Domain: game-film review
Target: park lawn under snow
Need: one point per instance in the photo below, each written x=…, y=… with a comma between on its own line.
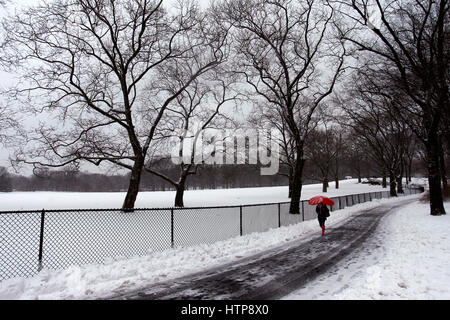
x=192, y=198
x=408, y=258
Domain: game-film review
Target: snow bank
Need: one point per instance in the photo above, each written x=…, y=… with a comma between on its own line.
x=408, y=258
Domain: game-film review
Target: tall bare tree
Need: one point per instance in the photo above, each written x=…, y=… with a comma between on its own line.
x=264, y=117
x=385, y=135
x=93, y=73
x=289, y=55
x=411, y=41
x=324, y=144
x=198, y=108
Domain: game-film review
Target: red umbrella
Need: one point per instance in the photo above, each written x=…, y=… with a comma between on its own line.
x=321, y=199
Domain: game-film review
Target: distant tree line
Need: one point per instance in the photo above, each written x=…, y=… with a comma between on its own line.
x=207, y=177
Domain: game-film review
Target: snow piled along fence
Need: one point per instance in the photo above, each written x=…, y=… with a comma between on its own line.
x=57, y=239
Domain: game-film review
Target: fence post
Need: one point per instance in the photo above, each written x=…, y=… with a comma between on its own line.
x=279, y=215
x=41, y=240
x=171, y=229
x=240, y=220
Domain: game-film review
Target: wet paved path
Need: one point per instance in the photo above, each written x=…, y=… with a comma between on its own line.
x=273, y=273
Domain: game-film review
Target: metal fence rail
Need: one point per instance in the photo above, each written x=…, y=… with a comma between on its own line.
x=56, y=239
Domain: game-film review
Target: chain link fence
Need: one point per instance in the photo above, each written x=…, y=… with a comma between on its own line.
x=57, y=239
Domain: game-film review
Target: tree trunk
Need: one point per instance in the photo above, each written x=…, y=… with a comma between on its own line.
x=399, y=184
x=133, y=187
x=410, y=170
x=291, y=177
x=405, y=169
x=180, y=187
x=434, y=174
x=295, y=195
x=296, y=185
x=392, y=184
x=336, y=176
x=179, y=196
x=384, y=182
x=399, y=179
x=443, y=169
x=325, y=184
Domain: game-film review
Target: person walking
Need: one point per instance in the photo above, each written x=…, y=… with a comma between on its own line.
x=322, y=214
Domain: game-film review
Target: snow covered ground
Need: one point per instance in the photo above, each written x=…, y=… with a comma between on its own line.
x=409, y=258
x=192, y=198
x=74, y=238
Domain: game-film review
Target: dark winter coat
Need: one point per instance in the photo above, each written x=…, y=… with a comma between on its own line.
x=322, y=211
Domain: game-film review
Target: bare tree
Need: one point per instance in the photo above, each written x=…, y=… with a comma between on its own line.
x=338, y=157
x=290, y=58
x=264, y=117
x=370, y=116
x=322, y=150
x=197, y=108
x=93, y=73
x=411, y=41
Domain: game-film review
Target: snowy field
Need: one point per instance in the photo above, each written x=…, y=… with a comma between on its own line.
x=87, y=237
x=157, y=199
x=409, y=258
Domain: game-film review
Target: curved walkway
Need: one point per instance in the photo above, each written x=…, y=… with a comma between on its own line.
x=274, y=273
